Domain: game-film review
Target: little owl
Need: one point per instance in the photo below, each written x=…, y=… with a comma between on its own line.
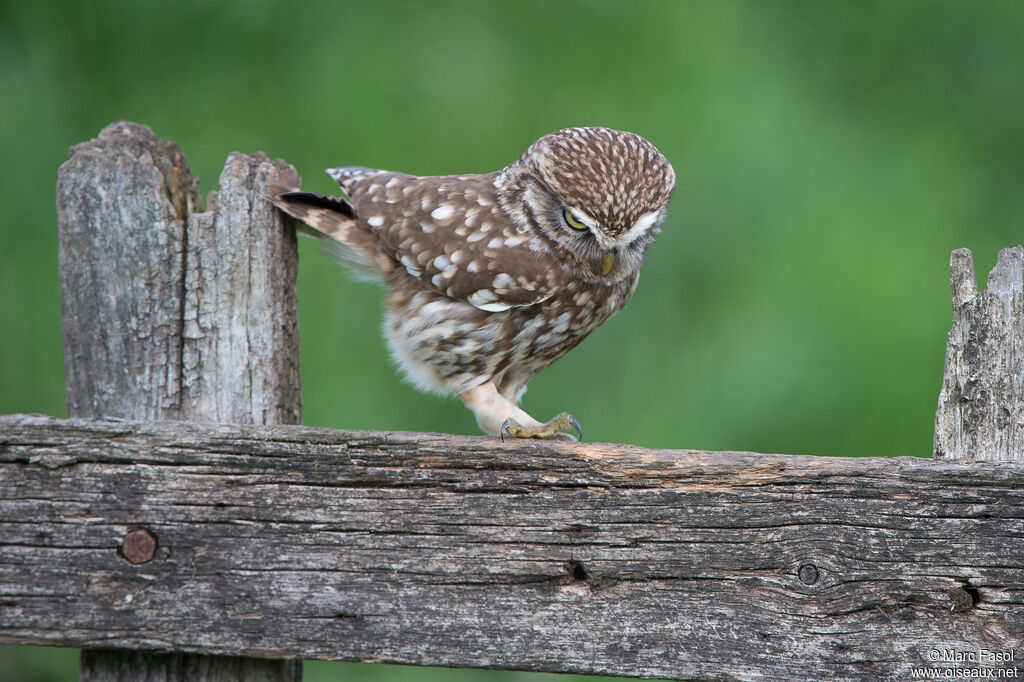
x=493, y=277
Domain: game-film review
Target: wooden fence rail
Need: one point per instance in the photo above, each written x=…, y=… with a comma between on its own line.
x=292, y=541
x=230, y=551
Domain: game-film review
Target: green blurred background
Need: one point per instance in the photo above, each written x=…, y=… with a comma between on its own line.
x=829, y=157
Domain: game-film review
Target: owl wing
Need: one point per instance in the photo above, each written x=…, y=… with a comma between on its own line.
x=450, y=233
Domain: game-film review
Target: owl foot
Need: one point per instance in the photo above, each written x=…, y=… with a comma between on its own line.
x=555, y=428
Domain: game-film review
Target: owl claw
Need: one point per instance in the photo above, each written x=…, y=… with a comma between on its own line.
x=579, y=429
x=573, y=425
x=555, y=428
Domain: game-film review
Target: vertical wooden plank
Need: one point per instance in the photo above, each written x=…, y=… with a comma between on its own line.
x=981, y=405
x=241, y=340
x=171, y=314
x=122, y=202
x=980, y=416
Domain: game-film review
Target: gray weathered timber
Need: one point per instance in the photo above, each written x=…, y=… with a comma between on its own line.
x=240, y=360
x=981, y=405
x=172, y=314
x=122, y=204
x=431, y=549
x=165, y=321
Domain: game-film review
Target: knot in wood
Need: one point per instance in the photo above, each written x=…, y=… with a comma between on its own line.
x=138, y=546
x=808, y=574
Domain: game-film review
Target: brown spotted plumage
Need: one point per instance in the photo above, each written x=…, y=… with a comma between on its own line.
x=493, y=277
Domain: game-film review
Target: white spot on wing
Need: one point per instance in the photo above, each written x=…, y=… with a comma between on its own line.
x=495, y=307
x=411, y=267
x=442, y=212
x=375, y=221
x=503, y=281
x=481, y=297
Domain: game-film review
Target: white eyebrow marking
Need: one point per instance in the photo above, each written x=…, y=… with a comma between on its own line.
x=642, y=224
x=583, y=217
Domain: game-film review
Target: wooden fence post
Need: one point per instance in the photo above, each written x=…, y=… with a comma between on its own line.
x=167, y=313
x=980, y=417
x=981, y=405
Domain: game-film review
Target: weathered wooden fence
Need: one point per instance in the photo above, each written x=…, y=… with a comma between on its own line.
x=232, y=543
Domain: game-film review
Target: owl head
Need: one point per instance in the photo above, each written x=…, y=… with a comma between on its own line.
x=599, y=195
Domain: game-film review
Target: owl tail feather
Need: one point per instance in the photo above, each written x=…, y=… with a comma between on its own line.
x=322, y=216
x=334, y=221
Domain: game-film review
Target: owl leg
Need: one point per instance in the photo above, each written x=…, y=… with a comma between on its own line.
x=492, y=409
x=499, y=416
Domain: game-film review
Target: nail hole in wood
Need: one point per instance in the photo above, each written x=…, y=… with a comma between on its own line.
x=576, y=570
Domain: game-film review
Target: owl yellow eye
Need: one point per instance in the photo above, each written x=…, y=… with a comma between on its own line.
x=571, y=221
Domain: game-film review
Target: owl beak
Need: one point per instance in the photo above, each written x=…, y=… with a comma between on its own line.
x=607, y=262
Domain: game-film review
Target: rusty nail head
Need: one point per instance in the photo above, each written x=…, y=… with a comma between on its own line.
x=138, y=546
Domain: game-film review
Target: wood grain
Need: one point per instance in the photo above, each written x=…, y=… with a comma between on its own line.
x=122, y=203
x=292, y=541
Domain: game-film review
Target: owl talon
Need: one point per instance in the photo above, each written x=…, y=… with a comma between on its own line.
x=511, y=427
x=554, y=429
x=576, y=427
